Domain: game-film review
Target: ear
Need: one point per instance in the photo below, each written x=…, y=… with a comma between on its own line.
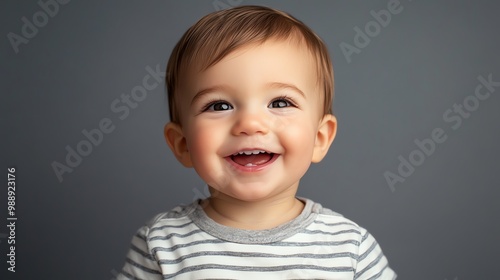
x=327, y=130
x=177, y=143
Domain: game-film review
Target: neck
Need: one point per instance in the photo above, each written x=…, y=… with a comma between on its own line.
x=253, y=215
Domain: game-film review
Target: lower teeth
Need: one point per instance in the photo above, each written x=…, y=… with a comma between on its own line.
x=249, y=164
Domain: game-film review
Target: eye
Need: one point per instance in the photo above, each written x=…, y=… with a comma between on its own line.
x=281, y=102
x=218, y=106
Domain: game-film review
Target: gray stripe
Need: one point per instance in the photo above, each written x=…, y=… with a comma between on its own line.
x=376, y=276
x=320, y=243
x=335, y=224
x=372, y=264
x=168, y=236
x=173, y=248
x=365, y=236
x=141, y=267
x=330, y=233
x=258, y=269
x=368, y=251
x=129, y=276
x=170, y=226
x=259, y=255
x=139, y=251
x=141, y=237
x=277, y=244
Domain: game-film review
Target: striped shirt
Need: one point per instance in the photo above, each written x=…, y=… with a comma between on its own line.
x=185, y=243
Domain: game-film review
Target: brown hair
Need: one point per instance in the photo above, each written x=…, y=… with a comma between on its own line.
x=217, y=34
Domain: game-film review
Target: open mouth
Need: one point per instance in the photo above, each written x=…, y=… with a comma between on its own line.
x=252, y=157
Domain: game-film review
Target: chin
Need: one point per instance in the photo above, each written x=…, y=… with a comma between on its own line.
x=252, y=194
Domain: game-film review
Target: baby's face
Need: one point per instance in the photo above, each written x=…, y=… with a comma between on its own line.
x=251, y=120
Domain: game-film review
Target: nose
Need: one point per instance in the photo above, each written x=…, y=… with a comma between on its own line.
x=250, y=123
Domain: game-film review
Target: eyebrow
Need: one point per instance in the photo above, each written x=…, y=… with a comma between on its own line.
x=273, y=85
x=277, y=85
x=209, y=90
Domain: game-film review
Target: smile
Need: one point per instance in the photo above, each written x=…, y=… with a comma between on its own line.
x=251, y=160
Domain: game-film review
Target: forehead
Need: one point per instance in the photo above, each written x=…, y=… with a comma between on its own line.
x=278, y=61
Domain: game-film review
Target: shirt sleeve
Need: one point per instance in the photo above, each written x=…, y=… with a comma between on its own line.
x=372, y=264
x=140, y=263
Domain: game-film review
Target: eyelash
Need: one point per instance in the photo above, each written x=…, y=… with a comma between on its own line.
x=285, y=98
x=212, y=102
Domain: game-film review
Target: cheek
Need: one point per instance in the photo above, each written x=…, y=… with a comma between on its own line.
x=204, y=144
x=203, y=140
x=298, y=137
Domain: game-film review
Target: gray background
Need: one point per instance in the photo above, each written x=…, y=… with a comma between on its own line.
x=440, y=223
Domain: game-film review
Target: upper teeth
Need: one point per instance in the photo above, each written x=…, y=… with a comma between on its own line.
x=253, y=152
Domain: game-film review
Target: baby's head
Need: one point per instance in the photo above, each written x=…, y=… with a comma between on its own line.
x=250, y=93
x=218, y=34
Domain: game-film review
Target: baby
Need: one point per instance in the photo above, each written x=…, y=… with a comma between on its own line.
x=250, y=94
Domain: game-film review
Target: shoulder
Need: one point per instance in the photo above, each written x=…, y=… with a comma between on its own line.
x=327, y=220
x=329, y=217
x=370, y=261
x=173, y=217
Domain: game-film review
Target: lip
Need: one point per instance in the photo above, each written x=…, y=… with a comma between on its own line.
x=251, y=168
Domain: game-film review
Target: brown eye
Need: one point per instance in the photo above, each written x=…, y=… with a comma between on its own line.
x=219, y=106
x=280, y=103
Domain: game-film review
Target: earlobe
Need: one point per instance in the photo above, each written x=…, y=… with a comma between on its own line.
x=327, y=130
x=177, y=143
